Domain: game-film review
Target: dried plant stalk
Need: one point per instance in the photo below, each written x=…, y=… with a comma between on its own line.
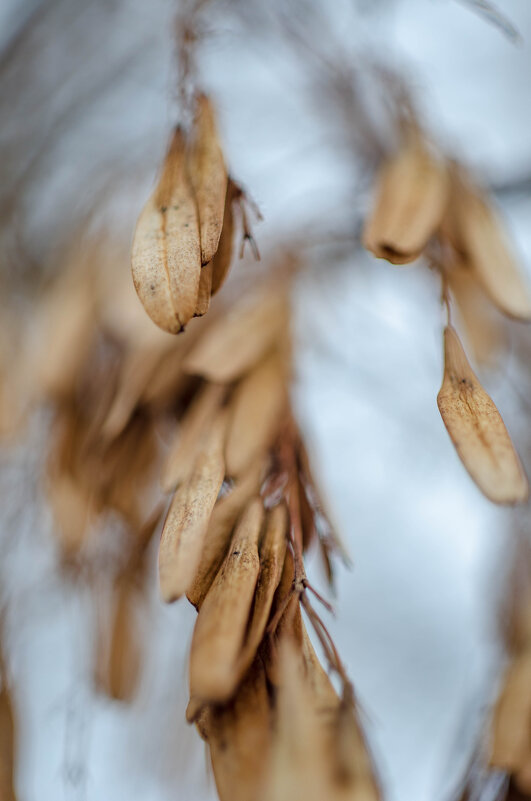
x=477, y=429
x=166, y=255
x=219, y=631
x=209, y=177
x=411, y=197
x=187, y=521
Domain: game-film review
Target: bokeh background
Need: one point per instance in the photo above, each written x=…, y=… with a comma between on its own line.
x=87, y=99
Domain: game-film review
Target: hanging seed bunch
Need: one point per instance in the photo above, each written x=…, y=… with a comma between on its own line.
x=182, y=246
x=426, y=205
x=244, y=509
x=205, y=417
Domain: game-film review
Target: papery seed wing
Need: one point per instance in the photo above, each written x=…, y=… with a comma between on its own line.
x=166, y=255
x=411, y=196
x=221, y=624
x=237, y=341
x=477, y=429
x=208, y=175
x=187, y=521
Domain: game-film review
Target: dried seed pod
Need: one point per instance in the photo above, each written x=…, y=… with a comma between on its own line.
x=168, y=381
x=481, y=321
x=255, y=413
x=182, y=454
x=119, y=650
x=226, y=512
x=297, y=768
x=411, y=197
x=350, y=763
x=510, y=738
x=477, y=429
x=222, y=260
x=136, y=372
x=166, y=255
x=239, y=339
x=186, y=524
x=272, y=555
x=317, y=743
x=205, y=290
x=209, y=177
x=290, y=623
x=221, y=624
x=239, y=738
x=480, y=237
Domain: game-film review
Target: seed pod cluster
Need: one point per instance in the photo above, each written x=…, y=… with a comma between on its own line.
x=182, y=247
x=425, y=205
x=204, y=418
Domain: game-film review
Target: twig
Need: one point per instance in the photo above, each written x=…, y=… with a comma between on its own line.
x=495, y=17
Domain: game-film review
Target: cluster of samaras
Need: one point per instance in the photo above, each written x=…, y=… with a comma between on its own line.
x=200, y=425
x=427, y=206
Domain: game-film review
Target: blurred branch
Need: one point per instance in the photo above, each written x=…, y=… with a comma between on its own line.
x=495, y=17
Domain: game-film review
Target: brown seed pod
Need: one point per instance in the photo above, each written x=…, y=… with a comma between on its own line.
x=351, y=767
x=219, y=631
x=272, y=555
x=208, y=175
x=477, y=429
x=221, y=262
x=482, y=323
x=298, y=760
x=166, y=254
x=255, y=414
x=318, y=749
x=226, y=512
x=411, y=197
x=188, y=516
x=183, y=451
x=239, y=738
x=237, y=341
x=136, y=374
x=480, y=237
